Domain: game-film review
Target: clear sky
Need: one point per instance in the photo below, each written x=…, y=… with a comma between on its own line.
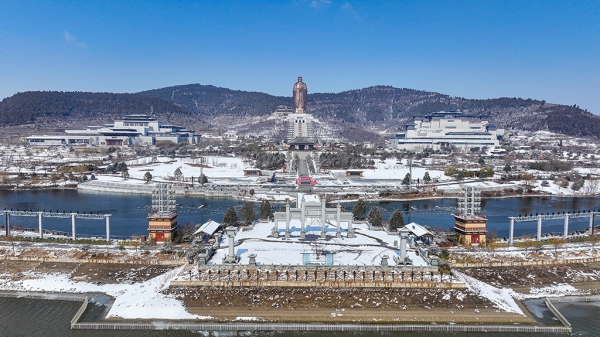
x=475, y=49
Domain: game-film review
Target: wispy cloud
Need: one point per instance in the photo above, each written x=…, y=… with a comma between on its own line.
x=351, y=11
x=316, y=4
x=72, y=40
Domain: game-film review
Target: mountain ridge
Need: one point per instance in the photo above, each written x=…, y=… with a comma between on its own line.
x=383, y=108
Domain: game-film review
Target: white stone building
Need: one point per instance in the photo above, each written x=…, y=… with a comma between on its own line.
x=447, y=129
x=129, y=130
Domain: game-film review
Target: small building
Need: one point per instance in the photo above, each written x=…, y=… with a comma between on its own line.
x=420, y=232
x=207, y=230
x=354, y=173
x=252, y=173
x=162, y=226
x=470, y=228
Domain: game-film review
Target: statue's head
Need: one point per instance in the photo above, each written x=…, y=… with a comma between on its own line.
x=299, y=78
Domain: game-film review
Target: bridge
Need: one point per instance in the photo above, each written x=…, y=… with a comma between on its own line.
x=42, y=214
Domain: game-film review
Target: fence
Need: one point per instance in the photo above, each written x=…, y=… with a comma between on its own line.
x=557, y=313
x=79, y=312
x=523, y=263
x=350, y=327
x=108, y=261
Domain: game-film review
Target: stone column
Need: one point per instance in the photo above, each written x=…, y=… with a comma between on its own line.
x=287, y=221
x=403, y=238
x=591, y=223
x=302, y=221
x=539, y=228
x=384, y=261
x=338, y=234
x=230, y=258
x=351, y=230
x=323, y=219
x=252, y=260
x=41, y=234
x=566, y=230
x=73, y=225
x=108, y=228
x=511, y=232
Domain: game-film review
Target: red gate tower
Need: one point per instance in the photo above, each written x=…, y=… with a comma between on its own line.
x=162, y=221
x=469, y=223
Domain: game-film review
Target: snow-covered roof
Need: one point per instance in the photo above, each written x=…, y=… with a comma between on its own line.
x=208, y=228
x=417, y=229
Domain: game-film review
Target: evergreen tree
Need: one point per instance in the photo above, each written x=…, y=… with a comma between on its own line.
x=247, y=212
x=359, y=209
x=230, y=218
x=265, y=209
x=375, y=217
x=147, y=177
x=203, y=179
x=426, y=178
x=125, y=173
x=406, y=179
x=178, y=174
x=396, y=219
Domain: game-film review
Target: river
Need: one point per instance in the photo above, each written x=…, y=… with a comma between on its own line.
x=129, y=211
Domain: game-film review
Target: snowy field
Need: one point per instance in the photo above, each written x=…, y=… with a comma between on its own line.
x=366, y=249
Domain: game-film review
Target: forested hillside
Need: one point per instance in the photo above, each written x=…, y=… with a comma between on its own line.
x=373, y=108
x=26, y=107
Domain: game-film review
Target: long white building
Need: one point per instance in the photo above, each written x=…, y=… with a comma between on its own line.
x=129, y=130
x=447, y=129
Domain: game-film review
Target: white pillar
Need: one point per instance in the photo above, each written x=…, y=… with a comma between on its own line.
x=323, y=219
x=511, y=232
x=591, y=224
x=339, y=221
x=287, y=221
x=231, y=247
x=539, y=228
x=41, y=234
x=403, y=237
x=73, y=225
x=108, y=228
x=351, y=230
x=230, y=258
x=566, y=232
x=302, y=221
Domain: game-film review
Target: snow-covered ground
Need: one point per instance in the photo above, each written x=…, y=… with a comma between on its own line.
x=142, y=300
x=366, y=249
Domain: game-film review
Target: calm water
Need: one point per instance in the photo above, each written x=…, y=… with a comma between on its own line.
x=130, y=211
x=25, y=317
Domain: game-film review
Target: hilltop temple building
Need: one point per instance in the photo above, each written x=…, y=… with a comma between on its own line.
x=447, y=129
x=129, y=130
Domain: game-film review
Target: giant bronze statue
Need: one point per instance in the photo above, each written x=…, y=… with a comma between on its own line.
x=299, y=96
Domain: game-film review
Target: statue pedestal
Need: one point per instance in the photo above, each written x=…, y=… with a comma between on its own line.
x=323, y=235
x=274, y=233
x=338, y=235
x=303, y=235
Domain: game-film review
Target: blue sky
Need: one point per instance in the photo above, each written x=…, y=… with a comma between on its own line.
x=475, y=49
